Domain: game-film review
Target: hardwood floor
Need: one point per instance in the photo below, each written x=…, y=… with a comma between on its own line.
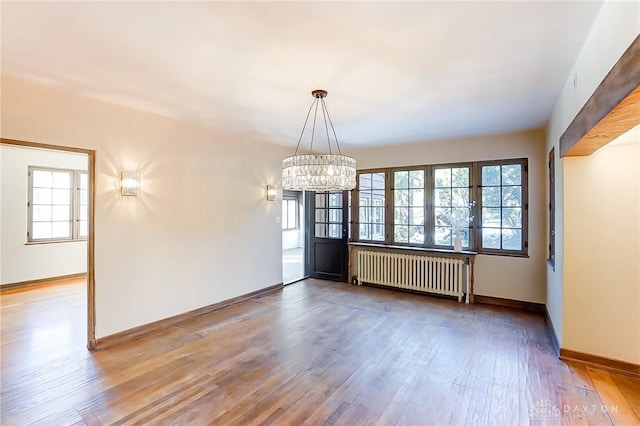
x=315, y=353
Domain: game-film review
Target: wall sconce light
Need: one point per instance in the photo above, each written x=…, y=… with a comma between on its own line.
x=271, y=193
x=130, y=183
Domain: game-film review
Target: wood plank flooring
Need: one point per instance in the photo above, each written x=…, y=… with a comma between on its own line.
x=317, y=353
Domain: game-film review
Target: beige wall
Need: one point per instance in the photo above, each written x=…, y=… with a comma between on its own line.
x=602, y=252
x=498, y=276
x=20, y=261
x=201, y=220
x=615, y=28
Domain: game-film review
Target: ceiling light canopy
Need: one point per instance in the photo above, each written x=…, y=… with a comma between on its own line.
x=319, y=172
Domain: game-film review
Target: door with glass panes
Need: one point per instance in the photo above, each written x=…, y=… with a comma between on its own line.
x=327, y=235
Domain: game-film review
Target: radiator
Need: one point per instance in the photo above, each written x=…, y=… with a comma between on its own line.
x=429, y=274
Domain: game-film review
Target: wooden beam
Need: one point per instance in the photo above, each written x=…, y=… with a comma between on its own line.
x=613, y=109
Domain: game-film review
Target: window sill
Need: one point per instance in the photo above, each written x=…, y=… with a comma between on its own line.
x=436, y=250
x=465, y=253
x=37, y=243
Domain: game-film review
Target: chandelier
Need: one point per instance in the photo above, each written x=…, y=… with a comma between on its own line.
x=319, y=172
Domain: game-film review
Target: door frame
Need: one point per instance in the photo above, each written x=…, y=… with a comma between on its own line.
x=302, y=200
x=91, y=170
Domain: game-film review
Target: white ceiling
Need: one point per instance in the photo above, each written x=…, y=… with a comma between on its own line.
x=396, y=72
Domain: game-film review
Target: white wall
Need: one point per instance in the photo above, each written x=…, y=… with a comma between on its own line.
x=202, y=230
x=615, y=28
x=497, y=276
x=20, y=261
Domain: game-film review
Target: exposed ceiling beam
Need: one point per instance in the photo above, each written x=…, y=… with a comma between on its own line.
x=613, y=109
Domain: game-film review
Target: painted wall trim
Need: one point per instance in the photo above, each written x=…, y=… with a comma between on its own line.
x=609, y=364
x=618, y=84
x=31, y=283
x=157, y=326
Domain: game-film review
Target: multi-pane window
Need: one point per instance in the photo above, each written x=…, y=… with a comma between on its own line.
x=328, y=213
x=501, y=202
x=371, y=201
x=58, y=205
x=452, y=205
x=408, y=211
x=485, y=203
x=289, y=213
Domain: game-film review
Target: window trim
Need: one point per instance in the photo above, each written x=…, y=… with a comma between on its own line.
x=74, y=224
x=391, y=222
x=524, y=184
x=472, y=192
x=355, y=207
x=475, y=181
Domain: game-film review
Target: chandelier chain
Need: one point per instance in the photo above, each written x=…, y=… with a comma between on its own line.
x=303, y=127
x=332, y=128
x=313, y=129
x=326, y=126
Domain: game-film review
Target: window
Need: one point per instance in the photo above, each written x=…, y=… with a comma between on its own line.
x=486, y=200
x=502, y=207
x=328, y=212
x=290, y=214
x=552, y=208
x=408, y=210
x=371, y=196
x=57, y=205
x=451, y=200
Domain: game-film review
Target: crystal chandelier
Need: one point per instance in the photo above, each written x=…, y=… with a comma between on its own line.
x=319, y=172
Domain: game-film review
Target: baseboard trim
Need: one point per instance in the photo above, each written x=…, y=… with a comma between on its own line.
x=552, y=331
x=40, y=281
x=510, y=303
x=152, y=327
x=609, y=364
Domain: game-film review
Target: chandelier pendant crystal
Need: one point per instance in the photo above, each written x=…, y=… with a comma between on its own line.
x=319, y=172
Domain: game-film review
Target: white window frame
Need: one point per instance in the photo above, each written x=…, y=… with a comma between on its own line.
x=74, y=221
x=285, y=214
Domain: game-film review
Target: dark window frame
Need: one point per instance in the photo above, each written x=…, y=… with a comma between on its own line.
x=552, y=209
x=391, y=214
x=524, y=184
x=472, y=184
x=475, y=180
x=355, y=207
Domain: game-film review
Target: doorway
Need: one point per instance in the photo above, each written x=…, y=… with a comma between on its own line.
x=61, y=217
x=293, y=236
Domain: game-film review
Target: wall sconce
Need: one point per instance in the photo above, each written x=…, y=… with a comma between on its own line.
x=271, y=193
x=130, y=183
